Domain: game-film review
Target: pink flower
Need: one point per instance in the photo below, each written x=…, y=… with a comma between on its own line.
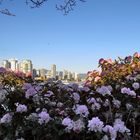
x=101, y=61
x=128, y=59
x=97, y=78
x=136, y=55
x=109, y=61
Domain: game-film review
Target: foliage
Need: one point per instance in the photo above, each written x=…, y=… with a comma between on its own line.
x=102, y=110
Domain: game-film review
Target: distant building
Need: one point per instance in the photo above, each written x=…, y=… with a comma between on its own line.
x=60, y=75
x=26, y=66
x=48, y=75
x=65, y=74
x=53, y=71
x=43, y=72
x=34, y=73
x=69, y=76
x=37, y=73
x=6, y=64
x=74, y=76
x=81, y=76
x=13, y=64
x=1, y=63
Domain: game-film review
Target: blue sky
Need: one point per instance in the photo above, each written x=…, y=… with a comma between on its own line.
x=95, y=29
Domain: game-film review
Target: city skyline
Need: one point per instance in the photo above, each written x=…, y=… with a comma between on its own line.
x=27, y=67
x=94, y=30
x=15, y=65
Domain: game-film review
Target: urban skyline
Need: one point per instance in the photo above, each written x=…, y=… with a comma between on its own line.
x=34, y=67
x=94, y=30
x=26, y=66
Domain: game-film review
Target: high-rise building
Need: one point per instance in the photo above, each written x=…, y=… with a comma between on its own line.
x=38, y=73
x=65, y=74
x=13, y=64
x=74, y=76
x=60, y=75
x=43, y=72
x=48, y=75
x=34, y=73
x=1, y=63
x=69, y=75
x=53, y=71
x=6, y=64
x=26, y=66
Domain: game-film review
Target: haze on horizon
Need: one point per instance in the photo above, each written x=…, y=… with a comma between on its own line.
x=95, y=29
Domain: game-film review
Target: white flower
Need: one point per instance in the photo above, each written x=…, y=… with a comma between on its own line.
x=21, y=108
x=78, y=126
x=116, y=103
x=7, y=118
x=59, y=104
x=96, y=106
x=110, y=88
x=109, y=129
x=68, y=123
x=106, y=103
x=20, y=139
x=49, y=94
x=86, y=89
x=76, y=97
x=32, y=117
x=127, y=91
x=129, y=106
x=82, y=110
x=136, y=85
x=44, y=117
x=104, y=90
x=120, y=127
x=95, y=125
x=105, y=138
x=91, y=100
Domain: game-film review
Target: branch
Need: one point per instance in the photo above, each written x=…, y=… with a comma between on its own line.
x=68, y=6
x=6, y=12
x=35, y=3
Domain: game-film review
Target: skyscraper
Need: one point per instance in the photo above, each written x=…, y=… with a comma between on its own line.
x=53, y=71
x=26, y=66
x=6, y=64
x=14, y=64
x=43, y=72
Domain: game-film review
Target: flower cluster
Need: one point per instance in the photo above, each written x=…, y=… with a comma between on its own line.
x=44, y=117
x=82, y=110
x=128, y=91
x=21, y=108
x=7, y=118
x=107, y=107
x=95, y=125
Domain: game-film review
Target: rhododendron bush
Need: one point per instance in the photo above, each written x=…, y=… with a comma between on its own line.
x=107, y=107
